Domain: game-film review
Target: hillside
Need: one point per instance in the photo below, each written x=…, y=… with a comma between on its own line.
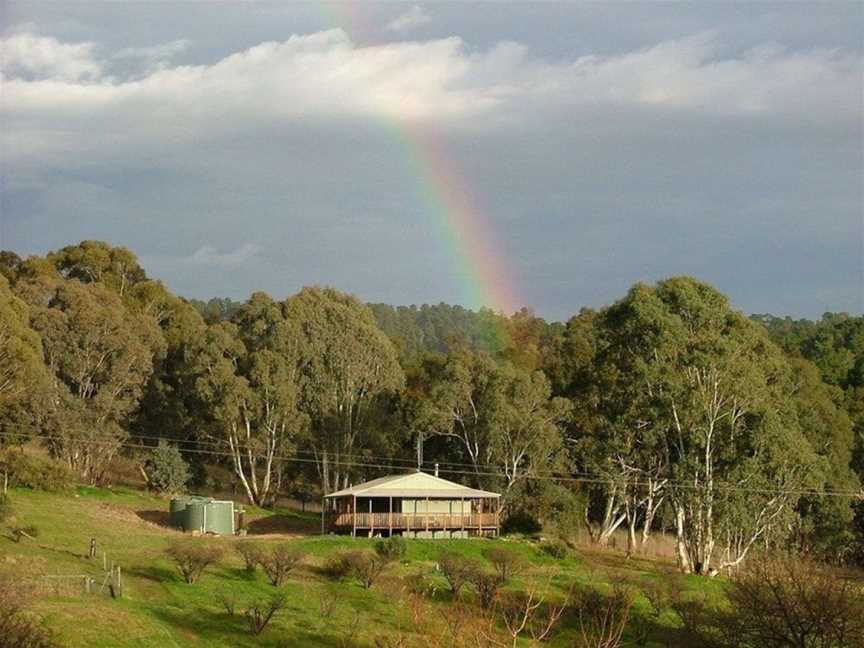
x=158, y=609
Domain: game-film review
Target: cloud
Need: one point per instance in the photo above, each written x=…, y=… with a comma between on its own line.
x=24, y=55
x=155, y=57
x=409, y=20
x=237, y=258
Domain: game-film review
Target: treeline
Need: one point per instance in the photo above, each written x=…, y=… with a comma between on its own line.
x=667, y=410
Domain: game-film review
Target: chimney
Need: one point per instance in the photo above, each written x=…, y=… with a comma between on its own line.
x=436, y=470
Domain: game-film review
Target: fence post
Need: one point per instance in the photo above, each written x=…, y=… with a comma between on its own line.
x=92, y=553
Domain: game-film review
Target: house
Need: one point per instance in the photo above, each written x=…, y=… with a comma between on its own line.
x=417, y=505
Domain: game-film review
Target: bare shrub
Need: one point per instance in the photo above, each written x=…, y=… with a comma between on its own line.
x=392, y=549
x=365, y=566
x=192, y=558
x=228, y=600
x=337, y=566
x=279, y=561
x=487, y=585
x=250, y=553
x=457, y=570
x=529, y=613
x=18, y=627
x=506, y=562
x=602, y=617
x=260, y=613
x=778, y=603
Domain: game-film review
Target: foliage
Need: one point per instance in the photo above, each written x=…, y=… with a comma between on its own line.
x=166, y=470
x=261, y=612
x=487, y=586
x=392, y=548
x=278, y=561
x=337, y=566
x=555, y=549
x=26, y=470
x=192, y=558
x=520, y=521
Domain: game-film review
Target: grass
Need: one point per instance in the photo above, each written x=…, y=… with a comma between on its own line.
x=159, y=609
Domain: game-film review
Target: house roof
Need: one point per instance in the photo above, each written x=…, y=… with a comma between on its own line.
x=416, y=484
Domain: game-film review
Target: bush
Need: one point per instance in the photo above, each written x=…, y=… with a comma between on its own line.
x=603, y=618
x=260, y=613
x=19, y=628
x=279, y=561
x=166, y=470
x=780, y=602
x=487, y=585
x=506, y=562
x=392, y=549
x=457, y=570
x=192, y=558
x=521, y=522
x=31, y=471
x=556, y=549
x=337, y=566
x=365, y=566
x=250, y=553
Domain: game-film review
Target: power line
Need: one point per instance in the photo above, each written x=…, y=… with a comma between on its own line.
x=594, y=479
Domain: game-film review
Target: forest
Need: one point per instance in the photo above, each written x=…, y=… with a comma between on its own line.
x=665, y=412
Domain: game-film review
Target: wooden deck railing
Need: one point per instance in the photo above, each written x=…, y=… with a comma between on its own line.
x=413, y=521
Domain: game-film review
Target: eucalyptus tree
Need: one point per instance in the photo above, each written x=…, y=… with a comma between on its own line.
x=702, y=392
x=100, y=356
x=345, y=365
x=21, y=366
x=247, y=373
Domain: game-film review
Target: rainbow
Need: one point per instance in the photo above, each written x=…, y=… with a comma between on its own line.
x=465, y=229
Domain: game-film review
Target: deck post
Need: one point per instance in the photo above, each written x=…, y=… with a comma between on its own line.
x=390, y=519
x=371, y=520
x=427, y=513
x=354, y=518
x=462, y=513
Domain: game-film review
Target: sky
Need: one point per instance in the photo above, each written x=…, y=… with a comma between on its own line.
x=546, y=155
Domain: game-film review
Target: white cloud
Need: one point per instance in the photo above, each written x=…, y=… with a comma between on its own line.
x=155, y=56
x=409, y=20
x=26, y=54
x=241, y=256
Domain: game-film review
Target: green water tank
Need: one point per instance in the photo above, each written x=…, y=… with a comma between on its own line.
x=202, y=514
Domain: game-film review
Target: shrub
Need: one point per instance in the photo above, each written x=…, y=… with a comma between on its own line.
x=166, y=470
x=487, y=585
x=228, y=599
x=250, y=553
x=521, y=522
x=365, y=566
x=31, y=471
x=279, y=561
x=19, y=628
x=337, y=566
x=603, y=618
x=260, y=613
x=555, y=549
x=780, y=602
x=506, y=562
x=192, y=558
x=392, y=549
x=457, y=569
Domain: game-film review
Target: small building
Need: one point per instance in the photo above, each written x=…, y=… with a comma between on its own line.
x=202, y=514
x=415, y=505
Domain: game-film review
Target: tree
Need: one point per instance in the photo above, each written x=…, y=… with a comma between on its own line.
x=703, y=386
x=100, y=357
x=166, y=470
x=246, y=379
x=346, y=364
x=97, y=262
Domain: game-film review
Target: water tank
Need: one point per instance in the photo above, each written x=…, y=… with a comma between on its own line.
x=202, y=514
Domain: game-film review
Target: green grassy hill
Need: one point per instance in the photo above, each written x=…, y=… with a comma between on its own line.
x=158, y=609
